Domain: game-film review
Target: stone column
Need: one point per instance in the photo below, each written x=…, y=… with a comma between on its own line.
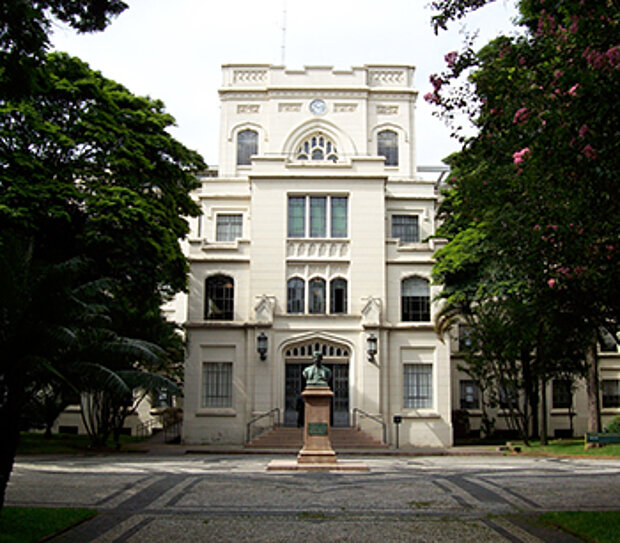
x=317, y=447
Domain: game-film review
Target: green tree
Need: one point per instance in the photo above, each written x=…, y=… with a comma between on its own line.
x=90, y=178
x=536, y=187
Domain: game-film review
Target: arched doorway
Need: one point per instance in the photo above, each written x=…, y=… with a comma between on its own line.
x=336, y=358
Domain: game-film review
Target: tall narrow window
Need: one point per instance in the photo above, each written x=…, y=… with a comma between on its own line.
x=219, y=298
x=229, y=227
x=247, y=145
x=296, y=216
x=387, y=146
x=339, y=217
x=316, y=295
x=611, y=392
x=318, y=216
x=418, y=386
x=217, y=384
x=562, y=393
x=405, y=228
x=338, y=296
x=415, y=300
x=469, y=398
x=295, y=296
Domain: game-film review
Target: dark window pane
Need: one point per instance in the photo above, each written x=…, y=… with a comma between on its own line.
x=387, y=146
x=561, y=392
x=405, y=228
x=611, y=392
x=469, y=398
x=296, y=216
x=415, y=300
x=418, y=386
x=338, y=296
x=219, y=298
x=247, y=145
x=295, y=296
x=339, y=217
x=217, y=384
x=318, y=216
x=316, y=301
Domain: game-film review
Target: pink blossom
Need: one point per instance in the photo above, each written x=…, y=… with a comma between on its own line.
x=583, y=131
x=451, y=58
x=589, y=151
x=536, y=227
x=430, y=97
x=573, y=90
x=520, y=156
x=521, y=115
x=551, y=283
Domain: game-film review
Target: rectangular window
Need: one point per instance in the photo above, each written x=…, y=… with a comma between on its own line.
x=418, y=386
x=339, y=217
x=228, y=227
x=318, y=217
x=611, y=392
x=464, y=337
x=469, y=398
x=405, y=228
x=561, y=392
x=297, y=217
x=217, y=384
x=507, y=397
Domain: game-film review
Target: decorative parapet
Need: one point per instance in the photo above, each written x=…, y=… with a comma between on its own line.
x=386, y=77
x=317, y=249
x=387, y=109
x=248, y=108
x=249, y=76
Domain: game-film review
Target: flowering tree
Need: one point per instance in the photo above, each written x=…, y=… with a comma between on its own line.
x=532, y=213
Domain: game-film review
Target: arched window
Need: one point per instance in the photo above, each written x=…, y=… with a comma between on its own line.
x=247, y=145
x=338, y=295
x=219, y=298
x=387, y=146
x=317, y=147
x=316, y=295
x=415, y=300
x=295, y=295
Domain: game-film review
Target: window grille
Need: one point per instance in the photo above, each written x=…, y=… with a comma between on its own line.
x=295, y=299
x=415, y=300
x=316, y=292
x=561, y=393
x=317, y=147
x=217, y=384
x=387, y=146
x=317, y=215
x=406, y=228
x=229, y=227
x=338, y=296
x=219, y=298
x=418, y=386
x=469, y=394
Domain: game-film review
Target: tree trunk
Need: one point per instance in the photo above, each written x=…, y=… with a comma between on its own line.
x=592, y=389
x=9, y=430
x=543, y=411
x=534, y=409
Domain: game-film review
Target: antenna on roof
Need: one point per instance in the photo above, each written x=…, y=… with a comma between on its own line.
x=283, y=46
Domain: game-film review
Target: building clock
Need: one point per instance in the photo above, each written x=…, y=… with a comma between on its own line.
x=318, y=107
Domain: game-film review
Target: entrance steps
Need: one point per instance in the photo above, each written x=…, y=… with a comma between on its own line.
x=282, y=437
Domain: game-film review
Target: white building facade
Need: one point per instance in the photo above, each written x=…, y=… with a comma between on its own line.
x=315, y=235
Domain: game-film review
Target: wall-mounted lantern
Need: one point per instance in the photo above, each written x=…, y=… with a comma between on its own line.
x=261, y=342
x=371, y=347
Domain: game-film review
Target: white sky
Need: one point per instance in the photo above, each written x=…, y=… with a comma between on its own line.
x=173, y=50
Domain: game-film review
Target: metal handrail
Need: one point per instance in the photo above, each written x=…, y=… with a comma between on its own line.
x=145, y=429
x=248, y=426
x=357, y=410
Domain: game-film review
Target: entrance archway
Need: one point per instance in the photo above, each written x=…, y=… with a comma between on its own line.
x=336, y=358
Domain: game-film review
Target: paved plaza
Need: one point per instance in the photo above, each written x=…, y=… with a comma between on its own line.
x=203, y=498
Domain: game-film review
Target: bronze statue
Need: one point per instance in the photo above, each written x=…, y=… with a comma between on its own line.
x=317, y=375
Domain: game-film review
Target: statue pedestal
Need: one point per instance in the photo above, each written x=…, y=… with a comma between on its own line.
x=317, y=447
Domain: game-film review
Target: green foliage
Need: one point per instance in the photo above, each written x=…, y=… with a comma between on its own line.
x=614, y=426
x=32, y=524
x=599, y=526
x=532, y=211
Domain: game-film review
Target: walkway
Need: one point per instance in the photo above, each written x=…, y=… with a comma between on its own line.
x=192, y=498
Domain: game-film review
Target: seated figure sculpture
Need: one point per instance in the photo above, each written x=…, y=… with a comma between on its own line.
x=317, y=375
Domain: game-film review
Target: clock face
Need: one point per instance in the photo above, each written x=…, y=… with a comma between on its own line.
x=318, y=107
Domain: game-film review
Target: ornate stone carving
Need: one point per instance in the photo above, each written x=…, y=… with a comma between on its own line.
x=264, y=309
x=387, y=77
x=387, y=110
x=289, y=107
x=248, y=108
x=371, y=313
x=250, y=76
x=322, y=250
x=345, y=108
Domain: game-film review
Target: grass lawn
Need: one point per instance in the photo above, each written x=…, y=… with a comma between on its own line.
x=568, y=447
x=600, y=527
x=31, y=524
x=33, y=443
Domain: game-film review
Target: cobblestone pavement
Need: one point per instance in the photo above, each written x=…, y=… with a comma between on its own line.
x=198, y=498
